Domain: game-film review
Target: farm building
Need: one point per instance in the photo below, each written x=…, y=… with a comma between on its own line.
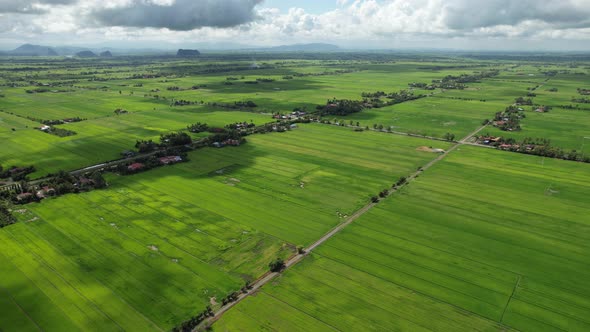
x=24, y=196
x=170, y=160
x=135, y=167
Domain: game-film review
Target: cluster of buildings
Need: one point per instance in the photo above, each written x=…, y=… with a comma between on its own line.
x=227, y=142
x=293, y=116
x=167, y=160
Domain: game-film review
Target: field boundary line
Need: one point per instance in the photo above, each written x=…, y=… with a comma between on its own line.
x=510, y=299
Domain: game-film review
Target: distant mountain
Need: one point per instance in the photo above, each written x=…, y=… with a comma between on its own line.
x=188, y=53
x=316, y=47
x=69, y=50
x=86, y=54
x=106, y=54
x=33, y=50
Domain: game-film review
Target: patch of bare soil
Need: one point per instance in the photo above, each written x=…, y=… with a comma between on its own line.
x=153, y=248
x=427, y=149
x=424, y=149
x=213, y=301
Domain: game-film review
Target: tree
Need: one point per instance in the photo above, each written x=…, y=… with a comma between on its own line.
x=99, y=181
x=449, y=137
x=277, y=265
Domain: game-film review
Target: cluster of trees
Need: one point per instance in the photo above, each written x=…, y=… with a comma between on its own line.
x=59, y=122
x=182, y=102
x=198, y=127
x=471, y=78
x=341, y=107
x=16, y=173
x=240, y=126
x=451, y=82
x=326, y=73
x=449, y=137
x=373, y=99
x=146, y=146
x=151, y=162
x=585, y=92
x=233, y=297
x=277, y=265
x=509, y=120
x=265, y=80
x=540, y=147
x=65, y=183
x=43, y=90
x=402, y=180
x=248, y=103
x=120, y=111
x=175, y=139
x=191, y=324
x=145, y=76
x=419, y=85
x=523, y=101
x=581, y=100
x=58, y=184
x=6, y=217
x=233, y=78
x=60, y=132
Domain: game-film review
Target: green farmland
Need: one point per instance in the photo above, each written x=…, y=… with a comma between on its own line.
x=154, y=248
x=485, y=241
x=366, y=174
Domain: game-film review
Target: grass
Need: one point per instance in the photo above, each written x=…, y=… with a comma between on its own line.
x=486, y=240
x=152, y=249
x=100, y=139
x=430, y=116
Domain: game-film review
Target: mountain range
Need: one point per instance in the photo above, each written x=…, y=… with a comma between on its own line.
x=40, y=50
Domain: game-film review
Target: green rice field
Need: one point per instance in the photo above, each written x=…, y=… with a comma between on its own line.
x=154, y=248
x=483, y=241
x=479, y=240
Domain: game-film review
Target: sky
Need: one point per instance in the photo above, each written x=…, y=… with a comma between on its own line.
x=527, y=25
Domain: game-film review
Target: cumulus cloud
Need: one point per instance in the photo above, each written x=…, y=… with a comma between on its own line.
x=29, y=6
x=465, y=15
x=181, y=15
x=351, y=23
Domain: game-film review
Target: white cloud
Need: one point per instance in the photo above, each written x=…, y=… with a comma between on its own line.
x=380, y=23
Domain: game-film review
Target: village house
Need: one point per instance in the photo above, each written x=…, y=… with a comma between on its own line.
x=44, y=192
x=45, y=128
x=232, y=142
x=24, y=197
x=128, y=153
x=170, y=160
x=540, y=109
x=135, y=167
